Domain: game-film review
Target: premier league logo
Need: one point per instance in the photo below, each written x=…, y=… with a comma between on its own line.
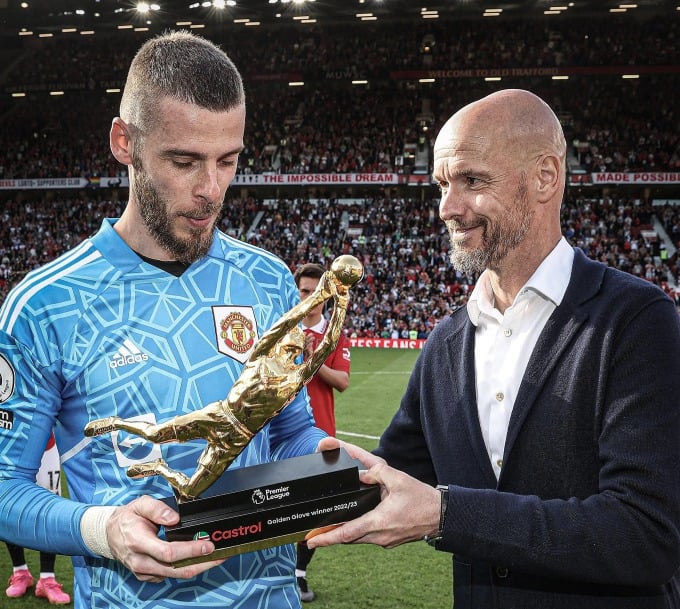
x=6, y=379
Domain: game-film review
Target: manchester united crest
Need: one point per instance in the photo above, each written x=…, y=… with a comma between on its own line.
x=236, y=331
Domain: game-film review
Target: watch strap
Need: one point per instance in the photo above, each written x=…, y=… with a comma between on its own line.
x=433, y=540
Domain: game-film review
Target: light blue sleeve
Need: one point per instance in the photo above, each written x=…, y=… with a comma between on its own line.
x=35, y=518
x=31, y=516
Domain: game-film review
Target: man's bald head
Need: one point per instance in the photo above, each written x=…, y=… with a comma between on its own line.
x=500, y=163
x=515, y=118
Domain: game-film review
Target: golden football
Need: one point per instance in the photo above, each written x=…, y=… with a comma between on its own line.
x=347, y=269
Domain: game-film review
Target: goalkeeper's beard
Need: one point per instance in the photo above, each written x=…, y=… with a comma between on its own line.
x=153, y=210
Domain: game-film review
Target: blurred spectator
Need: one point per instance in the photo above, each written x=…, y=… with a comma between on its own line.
x=409, y=283
x=332, y=126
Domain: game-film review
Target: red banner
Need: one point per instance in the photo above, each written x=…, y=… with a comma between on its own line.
x=636, y=177
x=387, y=343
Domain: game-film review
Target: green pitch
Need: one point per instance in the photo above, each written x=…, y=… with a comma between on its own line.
x=413, y=576
x=378, y=378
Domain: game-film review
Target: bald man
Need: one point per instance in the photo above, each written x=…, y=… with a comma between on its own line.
x=538, y=440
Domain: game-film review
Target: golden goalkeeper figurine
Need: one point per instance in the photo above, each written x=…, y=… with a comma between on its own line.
x=269, y=381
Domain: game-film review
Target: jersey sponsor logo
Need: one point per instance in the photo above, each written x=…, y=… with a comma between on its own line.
x=6, y=419
x=127, y=354
x=236, y=331
x=7, y=379
x=130, y=448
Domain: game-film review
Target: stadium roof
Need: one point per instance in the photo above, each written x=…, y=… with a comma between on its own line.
x=92, y=15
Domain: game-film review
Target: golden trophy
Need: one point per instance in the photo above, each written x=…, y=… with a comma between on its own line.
x=273, y=503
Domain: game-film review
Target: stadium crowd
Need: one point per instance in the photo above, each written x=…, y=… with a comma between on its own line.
x=375, y=50
x=329, y=125
x=409, y=284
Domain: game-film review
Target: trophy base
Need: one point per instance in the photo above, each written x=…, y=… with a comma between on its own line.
x=275, y=503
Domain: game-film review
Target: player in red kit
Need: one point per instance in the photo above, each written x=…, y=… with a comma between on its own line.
x=333, y=375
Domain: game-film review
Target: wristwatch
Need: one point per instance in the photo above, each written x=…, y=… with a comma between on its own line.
x=433, y=540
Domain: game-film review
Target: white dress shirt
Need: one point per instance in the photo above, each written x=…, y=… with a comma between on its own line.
x=504, y=342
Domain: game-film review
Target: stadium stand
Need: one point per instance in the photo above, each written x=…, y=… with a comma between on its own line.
x=621, y=131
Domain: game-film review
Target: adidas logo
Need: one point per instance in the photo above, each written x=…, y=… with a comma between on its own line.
x=127, y=354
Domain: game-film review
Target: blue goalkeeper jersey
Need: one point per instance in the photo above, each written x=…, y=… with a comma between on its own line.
x=100, y=332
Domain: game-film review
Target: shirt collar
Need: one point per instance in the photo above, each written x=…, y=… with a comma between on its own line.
x=550, y=280
x=121, y=255
x=319, y=327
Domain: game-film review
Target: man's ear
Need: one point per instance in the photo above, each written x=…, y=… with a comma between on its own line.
x=120, y=141
x=549, y=177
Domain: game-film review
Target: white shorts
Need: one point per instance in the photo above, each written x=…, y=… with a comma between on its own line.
x=49, y=474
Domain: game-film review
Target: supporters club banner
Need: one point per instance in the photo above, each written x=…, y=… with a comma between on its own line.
x=292, y=179
x=52, y=183
x=320, y=179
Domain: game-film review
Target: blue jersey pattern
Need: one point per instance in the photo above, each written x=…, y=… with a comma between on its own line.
x=99, y=332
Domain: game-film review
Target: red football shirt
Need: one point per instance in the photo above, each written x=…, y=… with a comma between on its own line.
x=320, y=393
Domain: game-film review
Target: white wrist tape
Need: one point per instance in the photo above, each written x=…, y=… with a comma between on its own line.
x=93, y=529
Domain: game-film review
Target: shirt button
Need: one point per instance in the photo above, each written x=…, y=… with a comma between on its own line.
x=507, y=332
x=499, y=462
x=499, y=396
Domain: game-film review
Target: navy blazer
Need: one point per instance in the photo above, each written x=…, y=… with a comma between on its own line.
x=586, y=512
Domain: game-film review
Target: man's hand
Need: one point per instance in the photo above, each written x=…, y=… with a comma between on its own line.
x=356, y=452
x=132, y=532
x=408, y=509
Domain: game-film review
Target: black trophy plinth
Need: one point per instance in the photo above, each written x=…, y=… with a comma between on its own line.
x=267, y=505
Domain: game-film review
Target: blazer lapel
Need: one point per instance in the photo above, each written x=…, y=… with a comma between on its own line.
x=461, y=347
x=554, y=339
